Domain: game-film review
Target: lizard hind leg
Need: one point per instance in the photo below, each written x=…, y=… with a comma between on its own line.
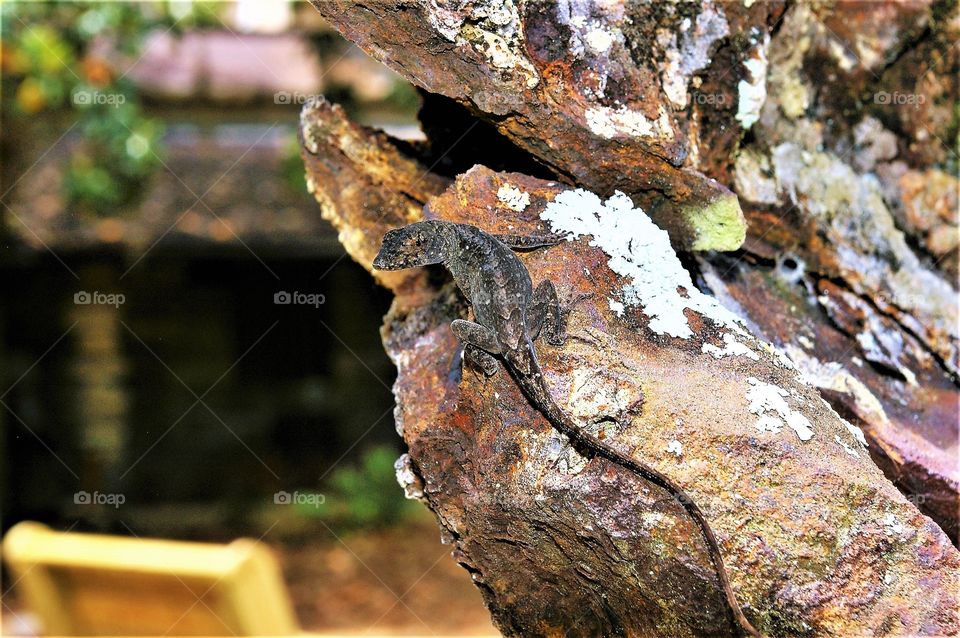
x=480, y=344
x=545, y=314
x=481, y=359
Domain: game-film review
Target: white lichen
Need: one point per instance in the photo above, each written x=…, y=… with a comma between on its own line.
x=407, y=478
x=693, y=53
x=513, y=197
x=849, y=450
x=731, y=348
x=752, y=94
x=779, y=357
x=640, y=252
x=853, y=430
x=591, y=33
x=492, y=28
x=893, y=527
x=871, y=251
x=675, y=447
x=608, y=122
x=768, y=423
x=753, y=178
x=834, y=377
x=769, y=403
x=599, y=39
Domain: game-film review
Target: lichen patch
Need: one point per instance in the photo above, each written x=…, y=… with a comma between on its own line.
x=683, y=61
x=493, y=29
x=513, y=197
x=752, y=93
x=639, y=251
x=407, y=478
x=769, y=402
x=675, y=447
x=608, y=122
x=849, y=450
x=731, y=348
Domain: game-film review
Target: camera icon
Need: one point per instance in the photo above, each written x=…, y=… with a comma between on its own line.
x=881, y=98
x=82, y=97
x=82, y=298
x=282, y=97
x=282, y=498
x=82, y=498
x=282, y=298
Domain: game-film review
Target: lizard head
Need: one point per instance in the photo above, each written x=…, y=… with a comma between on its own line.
x=419, y=244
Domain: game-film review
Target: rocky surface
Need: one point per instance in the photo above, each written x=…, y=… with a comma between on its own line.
x=637, y=98
x=809, y=526
x=851, y=254
x=846, y=268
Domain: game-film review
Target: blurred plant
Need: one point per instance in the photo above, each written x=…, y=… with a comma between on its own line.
x=364, y=496
x=292, y=165
x=404, y=97
x=53, y=58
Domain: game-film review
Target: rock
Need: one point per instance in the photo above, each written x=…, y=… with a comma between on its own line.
x=520, y=512
x=650, y=101
x=838, y=180
x=579, y=87
x=556, y=542
x=362, y=182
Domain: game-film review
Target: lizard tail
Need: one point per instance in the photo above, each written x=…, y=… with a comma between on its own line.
x=589, y=445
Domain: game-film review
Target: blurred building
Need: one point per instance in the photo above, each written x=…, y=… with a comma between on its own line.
x=191, y=373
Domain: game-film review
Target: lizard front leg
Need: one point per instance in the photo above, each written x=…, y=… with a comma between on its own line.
x=530, y=242
x=545, y=314
x=480, y=344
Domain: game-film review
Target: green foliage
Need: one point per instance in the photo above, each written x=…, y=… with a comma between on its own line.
x=292, y=165
x=120, y=148
x=366, y=495
x=53, y=58
x=404, y=97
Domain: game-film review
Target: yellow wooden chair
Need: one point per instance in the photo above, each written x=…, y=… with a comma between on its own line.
x=90, y=584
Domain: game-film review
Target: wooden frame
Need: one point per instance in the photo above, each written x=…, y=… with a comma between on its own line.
x=91, y=584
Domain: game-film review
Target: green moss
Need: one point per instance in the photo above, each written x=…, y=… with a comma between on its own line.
x=719, y=225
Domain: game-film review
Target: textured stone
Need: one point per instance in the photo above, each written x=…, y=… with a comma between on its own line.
x=641, y=99
x=557, y=544
x=579, y=86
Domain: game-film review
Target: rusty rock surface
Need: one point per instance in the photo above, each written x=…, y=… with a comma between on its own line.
x=640, y=97
x=361, y=181
x=809, y=527
x=852, y=252
x=847, y=106
x=849, y=266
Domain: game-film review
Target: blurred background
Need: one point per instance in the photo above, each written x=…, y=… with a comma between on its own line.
x=185, y=352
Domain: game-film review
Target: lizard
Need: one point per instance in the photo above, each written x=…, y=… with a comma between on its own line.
x=509, y=315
